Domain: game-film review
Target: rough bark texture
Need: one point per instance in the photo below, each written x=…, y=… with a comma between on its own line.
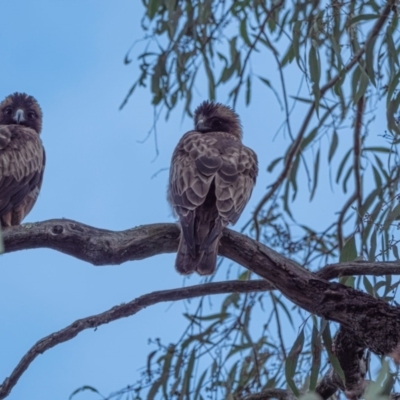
x=371, y=322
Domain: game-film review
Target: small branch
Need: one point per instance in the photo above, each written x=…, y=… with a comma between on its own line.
x=123, y=311
x=332, y=271
x=268, y=394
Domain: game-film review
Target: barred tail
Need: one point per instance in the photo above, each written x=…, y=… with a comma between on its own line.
x=185, y=264
x=207, y=264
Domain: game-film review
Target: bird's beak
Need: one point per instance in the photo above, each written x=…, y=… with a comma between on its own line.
x=201, y=126
x=19, y=116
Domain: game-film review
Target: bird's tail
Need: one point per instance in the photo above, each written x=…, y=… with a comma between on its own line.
x=207, y=264
x=185, y=264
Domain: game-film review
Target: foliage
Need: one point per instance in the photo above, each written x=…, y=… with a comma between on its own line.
x=344, y=54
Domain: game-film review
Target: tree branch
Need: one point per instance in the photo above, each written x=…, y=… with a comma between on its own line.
x=372, y=322
x=123, y=311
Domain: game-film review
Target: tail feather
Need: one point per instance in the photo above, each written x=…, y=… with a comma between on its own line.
x=185, y=263
x=207, y=264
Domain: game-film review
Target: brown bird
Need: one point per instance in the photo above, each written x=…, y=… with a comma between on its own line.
x=211, y=179
x=22, y=157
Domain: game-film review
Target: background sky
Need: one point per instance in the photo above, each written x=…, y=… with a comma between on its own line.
x=69, y=55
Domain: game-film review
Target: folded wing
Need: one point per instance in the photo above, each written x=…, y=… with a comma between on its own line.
x=22, y=161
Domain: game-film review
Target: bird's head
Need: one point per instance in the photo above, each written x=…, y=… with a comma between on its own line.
x=22, y=109
x=216, y=117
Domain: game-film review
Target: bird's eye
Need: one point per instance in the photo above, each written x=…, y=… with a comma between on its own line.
x=31, y=114
x=8, y=111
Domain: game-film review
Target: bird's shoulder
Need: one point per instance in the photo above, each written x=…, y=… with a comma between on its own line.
x=21, y=151
x=195, y=144
x=16, y=136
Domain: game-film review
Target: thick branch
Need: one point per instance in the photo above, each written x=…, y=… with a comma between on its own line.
x=122, y=311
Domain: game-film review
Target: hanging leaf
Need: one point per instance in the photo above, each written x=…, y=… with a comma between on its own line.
x=291, y=361
x=349, y=251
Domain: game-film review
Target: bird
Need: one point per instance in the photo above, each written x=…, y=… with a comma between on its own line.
x=211, y=179
x=22, y=157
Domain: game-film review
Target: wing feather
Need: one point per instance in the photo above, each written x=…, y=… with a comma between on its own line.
x=22, y=161
x=235, y=180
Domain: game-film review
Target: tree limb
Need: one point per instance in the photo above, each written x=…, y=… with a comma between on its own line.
x=373, y=323
x=123, y=311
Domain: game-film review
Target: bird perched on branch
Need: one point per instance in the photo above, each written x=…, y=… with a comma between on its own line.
x=211, y=179
x=22, y=157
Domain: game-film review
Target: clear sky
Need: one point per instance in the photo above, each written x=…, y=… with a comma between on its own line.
x=69, y=55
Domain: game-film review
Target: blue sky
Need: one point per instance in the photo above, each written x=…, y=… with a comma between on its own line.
x=69, y=55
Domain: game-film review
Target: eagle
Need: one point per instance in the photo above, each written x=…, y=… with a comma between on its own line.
x=211, y=178
x=22, y=157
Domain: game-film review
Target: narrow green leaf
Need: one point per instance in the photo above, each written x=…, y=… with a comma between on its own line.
x=188, y=374
x=393, y=214
x=333, y=146
x=291, y=361
x=327, y=339
x=378, y=149
x=200, y=385
x=369, y=60
x=342, y=164
x=316, y=348
x=315, y=73
x=391, y=46
x=395, y=251
x=243, y=31
x=377, y=177
x=248, y=90
x=364, y=17
x=308, y=139
x=361, y=89
x=368, y=287
x=152, y=8
x=296, y=40
x=349, y=251
x=346, y=178
x=288, y=57
x=273, y=164
x=82, y=389
x=372, y=249
x=210, y=76
x=315, y=177
x=337, y=51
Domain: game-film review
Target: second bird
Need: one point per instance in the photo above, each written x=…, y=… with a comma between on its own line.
x=211, y=179
x=22, y=157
